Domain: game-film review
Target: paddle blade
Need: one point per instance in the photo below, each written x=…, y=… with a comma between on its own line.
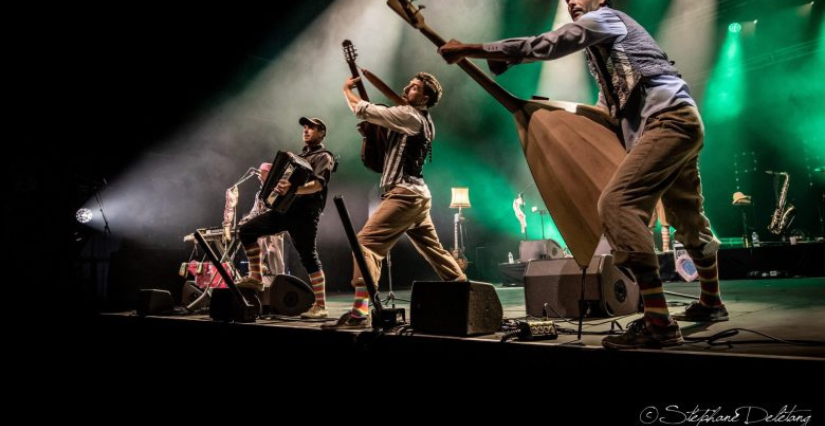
x=572, y=159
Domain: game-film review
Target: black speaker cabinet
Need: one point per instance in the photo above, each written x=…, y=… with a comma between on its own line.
x=224, y=306
x=289, y=295
x=463, y=308
x=190, y=294
x=608, y=290
x=154, y=302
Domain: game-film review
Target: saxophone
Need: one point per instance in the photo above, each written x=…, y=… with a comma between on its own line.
x=784, y=213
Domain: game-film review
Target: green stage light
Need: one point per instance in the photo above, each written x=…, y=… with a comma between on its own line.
x=735, y=27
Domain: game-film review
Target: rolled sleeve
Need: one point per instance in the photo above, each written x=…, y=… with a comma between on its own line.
x=403, y=119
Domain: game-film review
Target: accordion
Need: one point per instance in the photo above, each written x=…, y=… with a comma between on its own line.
x=291, y=167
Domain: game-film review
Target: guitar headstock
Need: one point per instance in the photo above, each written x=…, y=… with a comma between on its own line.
x=410, y=13
x=349, y=51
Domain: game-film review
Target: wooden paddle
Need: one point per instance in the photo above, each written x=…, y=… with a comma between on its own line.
x=382, y=87
x=572, y=149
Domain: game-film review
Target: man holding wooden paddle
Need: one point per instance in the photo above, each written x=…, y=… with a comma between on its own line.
x=663, y=135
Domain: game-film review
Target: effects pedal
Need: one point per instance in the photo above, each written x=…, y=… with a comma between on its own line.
x=537, y=330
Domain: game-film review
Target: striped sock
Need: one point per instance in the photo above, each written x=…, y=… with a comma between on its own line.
x=665, y=238
x=318, y=286
x=253, y=254
x=656, y=311
x=709, y=281
x=361, y=307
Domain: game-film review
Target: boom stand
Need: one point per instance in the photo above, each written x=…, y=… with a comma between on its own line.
x=382, y=318
x=245, y=311
x=390, y=300
x=541, y=213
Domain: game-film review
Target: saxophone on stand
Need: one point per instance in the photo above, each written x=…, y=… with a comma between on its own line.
x=784, y=213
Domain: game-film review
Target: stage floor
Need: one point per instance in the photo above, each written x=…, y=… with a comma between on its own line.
x=781, y=309
x=618, y=387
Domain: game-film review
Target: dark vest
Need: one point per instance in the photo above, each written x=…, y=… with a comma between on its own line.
x=404, y=161
x=621, y=69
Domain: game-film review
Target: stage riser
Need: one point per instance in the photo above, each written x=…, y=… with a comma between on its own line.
x=779, y=261
x=803, y=260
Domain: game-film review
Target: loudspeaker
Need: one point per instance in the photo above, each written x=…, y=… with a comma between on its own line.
x=224, y=306
x=154, y=302
x=190, y=293
x=289, y=295
x=539, y=249
x=609, y=290
x=455, y=308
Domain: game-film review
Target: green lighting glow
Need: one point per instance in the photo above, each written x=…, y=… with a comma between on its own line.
x=735, y=27
x=726, y=88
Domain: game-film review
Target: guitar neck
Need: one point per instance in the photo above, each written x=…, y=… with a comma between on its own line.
x=504, y=97
x=362, y=91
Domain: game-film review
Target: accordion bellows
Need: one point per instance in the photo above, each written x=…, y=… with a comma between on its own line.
x=287, y=166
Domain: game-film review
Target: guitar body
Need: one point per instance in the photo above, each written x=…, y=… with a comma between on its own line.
x=374, y=140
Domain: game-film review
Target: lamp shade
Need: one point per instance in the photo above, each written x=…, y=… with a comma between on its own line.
x=461, y=198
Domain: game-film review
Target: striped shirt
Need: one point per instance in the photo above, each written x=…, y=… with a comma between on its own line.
x=405, y=122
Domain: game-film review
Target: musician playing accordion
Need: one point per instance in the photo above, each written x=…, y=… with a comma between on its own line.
x=300, y=221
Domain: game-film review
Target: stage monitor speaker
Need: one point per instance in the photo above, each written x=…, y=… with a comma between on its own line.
x=609, y=290
x=154, y=302
x=455, y=308
x=539, y=249
x=190, y=293
x=224, y=306
x=289, y=295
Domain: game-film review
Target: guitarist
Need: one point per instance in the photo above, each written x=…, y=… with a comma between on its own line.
x=406, y=200
x=663, y=134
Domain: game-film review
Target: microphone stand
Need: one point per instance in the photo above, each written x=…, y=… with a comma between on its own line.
x=248, y=174
x=528, y=187
x=100, y=282
x=99, y=200
x=245, y=177
x=541, y=213
x=821, y=207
